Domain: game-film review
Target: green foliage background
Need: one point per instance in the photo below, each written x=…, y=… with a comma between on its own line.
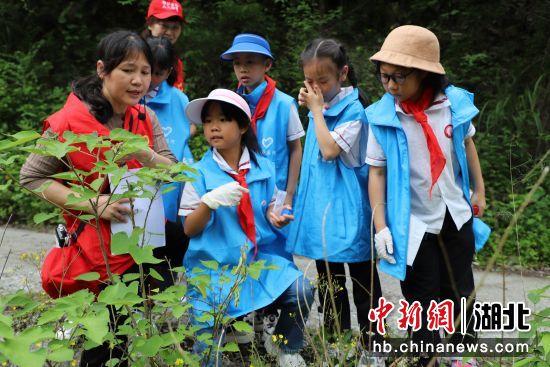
x=496, y=49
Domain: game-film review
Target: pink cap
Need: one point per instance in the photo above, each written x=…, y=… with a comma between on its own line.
x=162, y=9
x=194, y=108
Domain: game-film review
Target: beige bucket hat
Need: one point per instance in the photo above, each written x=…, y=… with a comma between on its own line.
x=411, y=46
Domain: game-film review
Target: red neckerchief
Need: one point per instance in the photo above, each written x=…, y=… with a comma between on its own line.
x=437, y=158
x=179, y=82
x=263, y=103
x=244, y=209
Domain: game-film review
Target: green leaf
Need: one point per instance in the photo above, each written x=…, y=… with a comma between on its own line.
x=130, y=276
x=155, y=274
x=42, y=217
x=86, y=217
x=121, y=243
x=536, y=294
x=231, y=347
x=120, y=294
x=545, y=342
x=88, y=277
x=142, y=255
x=210, y=264
x=63, y=354
x=20, y=138
x=150, y=347
x=523, y=362
x=67, y=176
x=242, y=326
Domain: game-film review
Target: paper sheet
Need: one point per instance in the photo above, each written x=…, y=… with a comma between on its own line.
x=154, y=226
x=417, y=228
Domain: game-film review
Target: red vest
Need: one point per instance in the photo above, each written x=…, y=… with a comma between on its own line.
x=62, y=265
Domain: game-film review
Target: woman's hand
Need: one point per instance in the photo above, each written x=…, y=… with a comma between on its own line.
x=113, y=211
x=279, y=221
x=143, y=156
x=311, y=97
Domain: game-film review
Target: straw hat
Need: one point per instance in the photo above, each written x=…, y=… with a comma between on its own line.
x=411, y=46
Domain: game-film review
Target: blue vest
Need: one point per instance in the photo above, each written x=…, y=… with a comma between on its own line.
x=332, y=195
x=271, y=130
x=169, y=105
x=223, y=240
x=389, y=133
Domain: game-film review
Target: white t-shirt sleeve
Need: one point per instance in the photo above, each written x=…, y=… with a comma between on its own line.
x=190, y=200
x=295, y=129
x=348, y=138
x=375, y=154
x=471, y=131
x=347, y=134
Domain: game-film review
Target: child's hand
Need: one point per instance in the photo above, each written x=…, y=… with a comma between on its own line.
x=226, y=195
x=383, y=241
x=478, y=204
x=279, y=221
x=311, y=97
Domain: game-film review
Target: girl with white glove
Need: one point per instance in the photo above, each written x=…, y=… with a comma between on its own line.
x=228, y=210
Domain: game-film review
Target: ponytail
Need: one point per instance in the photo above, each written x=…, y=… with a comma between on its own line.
x=363, y=98
x=89, y=89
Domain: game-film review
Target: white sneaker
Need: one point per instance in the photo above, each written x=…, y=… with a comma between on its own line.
x=268, y=325
x=290, y=360
x=368, y=360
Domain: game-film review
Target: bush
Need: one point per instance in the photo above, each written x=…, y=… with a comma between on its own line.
x=24, y=103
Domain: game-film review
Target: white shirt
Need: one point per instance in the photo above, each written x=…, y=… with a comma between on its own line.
x=347, y=135
x=445, y=193
x=190, y=199
x=295, y=130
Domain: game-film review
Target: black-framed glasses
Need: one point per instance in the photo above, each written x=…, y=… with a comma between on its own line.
x=398, y=78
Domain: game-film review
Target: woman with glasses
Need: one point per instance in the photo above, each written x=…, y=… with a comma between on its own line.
x=421, y=156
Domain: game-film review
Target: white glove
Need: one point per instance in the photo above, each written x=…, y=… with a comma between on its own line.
x=383, y=241
x=225, y=195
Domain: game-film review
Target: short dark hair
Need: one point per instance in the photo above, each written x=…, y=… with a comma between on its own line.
x=113, y=49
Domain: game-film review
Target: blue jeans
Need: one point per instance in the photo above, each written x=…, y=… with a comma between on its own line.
x=294, y=303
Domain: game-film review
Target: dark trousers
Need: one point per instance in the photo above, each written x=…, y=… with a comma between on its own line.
x=363, y=295
x=442, y=270
x=176, y=246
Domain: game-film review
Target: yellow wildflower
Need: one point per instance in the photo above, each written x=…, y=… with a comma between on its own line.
x=179, y=362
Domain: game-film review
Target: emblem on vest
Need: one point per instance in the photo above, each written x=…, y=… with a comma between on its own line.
x=267, y=142
x=167, y=130
x=448, y=131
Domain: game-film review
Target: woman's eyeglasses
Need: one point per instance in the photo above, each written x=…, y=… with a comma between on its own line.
x=398, y=78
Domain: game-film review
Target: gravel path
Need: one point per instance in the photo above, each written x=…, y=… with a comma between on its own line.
x=26, y=248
